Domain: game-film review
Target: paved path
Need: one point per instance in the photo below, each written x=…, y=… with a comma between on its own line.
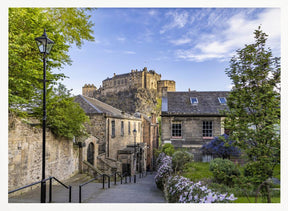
x=143, y=191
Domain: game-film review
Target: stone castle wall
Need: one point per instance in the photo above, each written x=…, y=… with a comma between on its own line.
x=144, y=79
x=25, y=155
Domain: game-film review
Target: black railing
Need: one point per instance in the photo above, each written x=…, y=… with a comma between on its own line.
x=97, y=177
x=50, y=187
x=103, y=181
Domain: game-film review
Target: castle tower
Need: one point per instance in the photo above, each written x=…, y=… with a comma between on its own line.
x=88, y=90
x=169, y=84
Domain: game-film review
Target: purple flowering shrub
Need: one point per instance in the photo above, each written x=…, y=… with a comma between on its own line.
x=182, y=190
x=164, y=169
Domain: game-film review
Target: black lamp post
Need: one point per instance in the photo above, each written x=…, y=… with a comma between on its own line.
x=134, y=133
x=45, y=45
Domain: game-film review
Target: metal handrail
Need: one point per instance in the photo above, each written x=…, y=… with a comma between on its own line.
x=27, y=186
x=50, y=187
x=103, y=181
x=85, y=183
x=69, y=187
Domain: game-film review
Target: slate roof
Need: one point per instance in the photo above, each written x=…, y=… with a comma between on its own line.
x=178, y=103
x=94, y=106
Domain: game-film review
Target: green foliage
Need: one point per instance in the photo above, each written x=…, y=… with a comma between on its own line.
x=65, y=118
x=168, y=149
x=180, y=158
x=158, y=106
x=276, y=172
x=197, y=171
x=254, y=107
x=224, y=170
x=65, y=26
x=258, y=170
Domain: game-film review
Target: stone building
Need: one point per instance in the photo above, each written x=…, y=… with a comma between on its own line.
x=190, y=119
x=114, y=131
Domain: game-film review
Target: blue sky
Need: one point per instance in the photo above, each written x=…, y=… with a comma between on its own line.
x=192, y=46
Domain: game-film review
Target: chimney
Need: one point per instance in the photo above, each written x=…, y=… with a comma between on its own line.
x=164, y=91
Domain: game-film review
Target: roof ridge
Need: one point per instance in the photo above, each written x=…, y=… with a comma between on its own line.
x=89, y=103
x=103, y=104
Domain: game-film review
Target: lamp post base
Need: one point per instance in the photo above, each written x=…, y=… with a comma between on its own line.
x=43, y=192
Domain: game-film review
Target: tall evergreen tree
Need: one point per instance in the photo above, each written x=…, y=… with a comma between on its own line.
x=254, y=109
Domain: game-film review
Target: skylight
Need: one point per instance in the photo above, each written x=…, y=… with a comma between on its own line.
x=194, y=100
x=222, y=100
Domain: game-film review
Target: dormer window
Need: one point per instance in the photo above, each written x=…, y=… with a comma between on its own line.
x=222, y=100
x=194, y=100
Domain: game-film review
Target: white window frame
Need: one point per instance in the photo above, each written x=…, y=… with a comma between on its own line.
x=219, y=98
x=194, y=103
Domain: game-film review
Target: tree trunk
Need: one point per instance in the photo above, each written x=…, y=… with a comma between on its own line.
x=268, y=193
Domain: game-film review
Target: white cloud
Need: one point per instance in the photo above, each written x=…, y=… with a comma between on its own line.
x=181, y=41
x=152, y=12
x=129, y=52
x=179, y=20
x=224, y=42
x=121, y=39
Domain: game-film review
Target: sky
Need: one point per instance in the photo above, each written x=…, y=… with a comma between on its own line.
x=192, y=46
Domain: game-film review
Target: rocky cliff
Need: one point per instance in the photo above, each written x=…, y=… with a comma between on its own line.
x=135, y=100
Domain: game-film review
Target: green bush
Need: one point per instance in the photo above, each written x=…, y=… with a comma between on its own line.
x=168, y=149
x=224, y=171
x=180, y=158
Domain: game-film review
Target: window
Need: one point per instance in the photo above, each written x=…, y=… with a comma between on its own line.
x=194, y=100
x=207, y=128
x=113, y=128
x=129, y=128
x=222, y=100
x=176, y=129
x=122, y=128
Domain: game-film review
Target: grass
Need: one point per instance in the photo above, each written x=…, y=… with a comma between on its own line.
x=196, y=171
x=252, y=200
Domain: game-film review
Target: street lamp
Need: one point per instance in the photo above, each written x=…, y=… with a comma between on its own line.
x=44, y=45
x=134, y=133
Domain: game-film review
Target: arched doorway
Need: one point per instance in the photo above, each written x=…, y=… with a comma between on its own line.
x=90, y=153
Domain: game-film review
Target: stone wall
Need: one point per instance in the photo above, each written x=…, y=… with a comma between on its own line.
x=25, y=155
x=97, y=128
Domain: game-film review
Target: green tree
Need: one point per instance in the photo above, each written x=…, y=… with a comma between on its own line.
x=65, y=118
x=254, y=109
x=65, y=26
